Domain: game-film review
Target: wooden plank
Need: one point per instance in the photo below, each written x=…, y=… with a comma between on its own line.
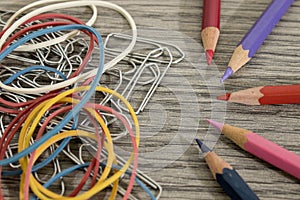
x=276, y=62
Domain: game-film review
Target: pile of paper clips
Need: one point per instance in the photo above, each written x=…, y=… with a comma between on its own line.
x=58, y=117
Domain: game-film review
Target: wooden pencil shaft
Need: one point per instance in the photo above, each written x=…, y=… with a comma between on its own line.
x=239, y=58
x=249, y=96
x=237, y=135
x=210, y=36
x=216, y=164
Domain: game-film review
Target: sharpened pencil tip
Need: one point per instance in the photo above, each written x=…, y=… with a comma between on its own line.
x=209, y=56
x=202, y=146
x=224, y=97
x=199, y=142
x=227, y=74
x=218, y=125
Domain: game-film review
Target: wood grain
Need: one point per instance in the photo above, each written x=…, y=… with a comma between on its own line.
x=276, y=62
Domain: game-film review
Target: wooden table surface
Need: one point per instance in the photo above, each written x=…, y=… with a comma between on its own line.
x=185, y=175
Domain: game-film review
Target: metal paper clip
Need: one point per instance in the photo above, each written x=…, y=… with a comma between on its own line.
x=177, y=53
x=4, y=16
x=56, y=170
x=157, y=72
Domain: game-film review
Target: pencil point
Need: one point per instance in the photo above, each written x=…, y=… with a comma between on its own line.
x=202, y=146
x=227, y=74
x=224, y=97
x=209, y=56
x=218, y=125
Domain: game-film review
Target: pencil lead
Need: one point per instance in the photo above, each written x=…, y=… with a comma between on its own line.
x=227, y=74
x=224, y=97
x=202, y=146
x=218, y=125
x=209, y=56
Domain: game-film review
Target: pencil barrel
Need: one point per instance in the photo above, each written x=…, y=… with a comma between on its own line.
x=235, y=186
x=282, y=94
x=264, y=25
x=211, y=14
x=273, y=154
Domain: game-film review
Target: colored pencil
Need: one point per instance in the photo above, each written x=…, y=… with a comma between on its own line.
x=210, y=27
x=256, y=35
x=231, y=182
x=262, y=148
x=281, y=94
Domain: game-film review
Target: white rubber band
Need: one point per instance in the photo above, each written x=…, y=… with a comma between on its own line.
x=32, y=47
x=71, y=81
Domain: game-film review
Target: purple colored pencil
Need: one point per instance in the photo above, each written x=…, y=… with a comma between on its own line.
x=256, y=35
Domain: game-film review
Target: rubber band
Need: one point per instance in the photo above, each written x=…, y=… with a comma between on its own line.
x=24, y=104
x=73, y=100
x=32, y=47
x=111, y=92
x=42, y=25
x=58, y=85
x=71, y=4
x=79, y=69
x=62, y=145
x=85, y=60
x=109, y=109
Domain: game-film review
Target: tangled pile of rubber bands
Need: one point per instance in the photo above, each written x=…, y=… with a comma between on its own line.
x=67, y=97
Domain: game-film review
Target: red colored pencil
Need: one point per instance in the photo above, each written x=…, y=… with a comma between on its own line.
x=281, y=94
x=210, y=27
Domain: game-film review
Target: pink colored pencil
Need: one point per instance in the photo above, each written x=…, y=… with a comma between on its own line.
x=262, y=148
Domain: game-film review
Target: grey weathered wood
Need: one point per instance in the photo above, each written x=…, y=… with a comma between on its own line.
x=276, y=62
